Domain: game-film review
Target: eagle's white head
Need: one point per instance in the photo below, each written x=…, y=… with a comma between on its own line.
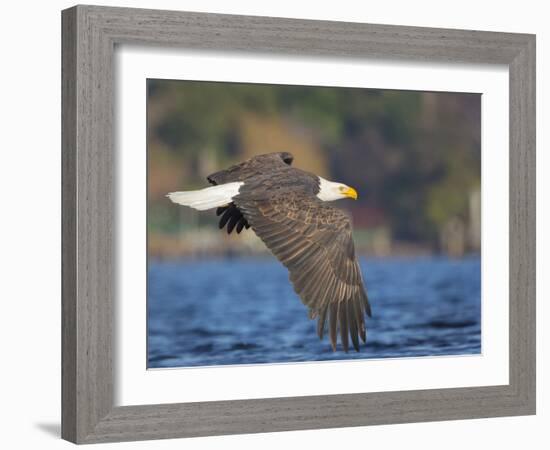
x=330, y=190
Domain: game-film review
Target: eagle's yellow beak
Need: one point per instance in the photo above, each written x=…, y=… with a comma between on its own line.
x=350, y=192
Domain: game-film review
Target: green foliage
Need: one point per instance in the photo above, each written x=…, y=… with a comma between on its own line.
x=413, y=156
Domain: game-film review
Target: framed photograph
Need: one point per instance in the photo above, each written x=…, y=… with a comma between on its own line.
x=277, y=224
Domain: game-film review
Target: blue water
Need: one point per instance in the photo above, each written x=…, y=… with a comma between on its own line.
x=244, y=311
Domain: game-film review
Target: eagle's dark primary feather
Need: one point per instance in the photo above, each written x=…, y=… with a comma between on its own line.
x=232, y=217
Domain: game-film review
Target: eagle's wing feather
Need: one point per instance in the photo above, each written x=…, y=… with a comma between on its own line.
x=314, y=241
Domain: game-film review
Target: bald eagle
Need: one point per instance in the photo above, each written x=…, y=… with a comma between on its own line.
x=286, y=207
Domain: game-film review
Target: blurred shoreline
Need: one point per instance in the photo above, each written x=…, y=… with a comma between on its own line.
x=211, y=243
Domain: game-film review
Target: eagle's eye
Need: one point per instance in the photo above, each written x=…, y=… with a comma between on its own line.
x=342, y=188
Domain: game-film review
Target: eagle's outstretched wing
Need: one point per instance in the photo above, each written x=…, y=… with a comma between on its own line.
x=314, y=241
x=254, y=167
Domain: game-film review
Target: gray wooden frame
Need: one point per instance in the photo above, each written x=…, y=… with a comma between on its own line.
x=90, y=34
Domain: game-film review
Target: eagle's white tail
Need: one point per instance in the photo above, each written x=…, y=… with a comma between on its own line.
x=207, y=198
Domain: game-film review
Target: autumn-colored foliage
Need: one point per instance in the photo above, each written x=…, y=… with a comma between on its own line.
x=414, y=157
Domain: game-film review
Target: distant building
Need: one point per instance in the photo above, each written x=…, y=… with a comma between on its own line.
x=461, y=235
